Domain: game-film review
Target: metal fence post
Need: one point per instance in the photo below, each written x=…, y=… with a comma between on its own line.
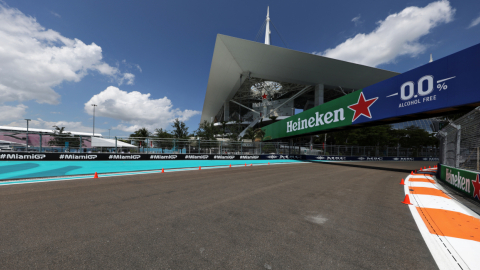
x=443, y=145
x=457, y=156
x=478, y=158
x=116, y=149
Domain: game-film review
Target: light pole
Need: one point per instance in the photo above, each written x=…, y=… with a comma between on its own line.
x=109, y=133
x=27, y=131
x=94, y=105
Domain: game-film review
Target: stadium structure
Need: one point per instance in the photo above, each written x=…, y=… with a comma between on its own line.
x=18, y=138
x=254, y=83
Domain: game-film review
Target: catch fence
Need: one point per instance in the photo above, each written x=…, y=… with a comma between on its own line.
x=460, y=142
x=18, y=142
x=368, y=151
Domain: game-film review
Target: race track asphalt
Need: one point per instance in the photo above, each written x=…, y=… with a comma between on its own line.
x=295, y=216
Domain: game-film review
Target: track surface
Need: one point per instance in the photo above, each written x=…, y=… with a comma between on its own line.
x=299, y=216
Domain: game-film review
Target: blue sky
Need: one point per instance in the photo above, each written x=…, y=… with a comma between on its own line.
x=147, y=62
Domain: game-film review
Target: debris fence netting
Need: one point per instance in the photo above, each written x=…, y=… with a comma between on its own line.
x=460, y=142
x=37, y=142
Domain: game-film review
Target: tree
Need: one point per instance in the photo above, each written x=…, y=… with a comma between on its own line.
x=249, y=134
x=60, y=137
x=141, y=133
x=259, y=134
x=369, y=136
x=206, y=131
x=273, y=117
x=416, y=137
x=180, y=131
x=161, y=133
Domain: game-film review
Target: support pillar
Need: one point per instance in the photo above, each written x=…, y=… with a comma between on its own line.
x=319, y=93
x=226, y=111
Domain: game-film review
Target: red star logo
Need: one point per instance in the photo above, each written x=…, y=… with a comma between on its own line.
x=362, y=107
x=476, y=188
x=264, y=96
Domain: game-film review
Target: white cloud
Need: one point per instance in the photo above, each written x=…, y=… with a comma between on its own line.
x=356, y=20
x=33, y=60
x=12, y=113
x=129, y=77
x=136, y=110
x=55, y=14
x=397, y=35
x=124, y=61
x=69, y=126
x=475, y=22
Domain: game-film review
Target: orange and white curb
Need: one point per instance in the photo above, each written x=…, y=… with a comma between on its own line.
x=450, y=230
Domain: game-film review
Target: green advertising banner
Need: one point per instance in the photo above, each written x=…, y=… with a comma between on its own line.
x=336, y=113
x=449, y=82
x=466, y=182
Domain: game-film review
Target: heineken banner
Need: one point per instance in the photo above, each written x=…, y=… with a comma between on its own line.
x=448, y=82
x=4, y=156
x=465, y=181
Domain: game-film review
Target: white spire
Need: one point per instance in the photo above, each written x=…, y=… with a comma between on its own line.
x=267, y=28
x=431, y=59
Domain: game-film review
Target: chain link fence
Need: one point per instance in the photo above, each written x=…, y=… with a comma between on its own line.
x=33, y=142
x=460, y=142
x=369, y=151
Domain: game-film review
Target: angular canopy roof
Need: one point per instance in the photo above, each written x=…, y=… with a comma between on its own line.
x=44, y=131
x=233, y=57
x=101, y=142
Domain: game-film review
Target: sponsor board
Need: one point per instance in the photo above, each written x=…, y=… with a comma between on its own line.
x=124, y=157
x=196, y=157
x=4, y=156
x=249, y=157
x=223, y=157
x=163, y=157
x=451, y=81
x=77, y=157
x=22, y=156
x=464, y=181
x=105, y=156
x=365, y=158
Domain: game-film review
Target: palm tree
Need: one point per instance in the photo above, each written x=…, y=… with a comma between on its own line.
x=58, y=136
x=259, y=134
x=141, y=133
x=249, y=134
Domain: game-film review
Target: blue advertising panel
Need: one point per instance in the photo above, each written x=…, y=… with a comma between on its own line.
x=452, y=81
x=448, y=82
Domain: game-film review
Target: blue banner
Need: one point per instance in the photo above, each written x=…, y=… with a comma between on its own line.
x=448, y=82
